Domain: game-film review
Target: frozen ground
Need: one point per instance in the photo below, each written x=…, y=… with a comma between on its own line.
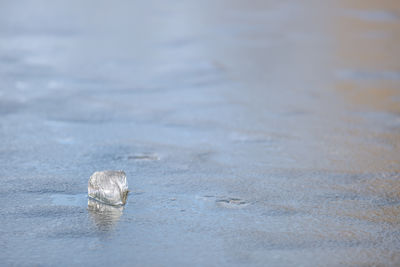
x=251, y=132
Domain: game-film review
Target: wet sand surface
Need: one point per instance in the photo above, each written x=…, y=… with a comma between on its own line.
x=251, y=132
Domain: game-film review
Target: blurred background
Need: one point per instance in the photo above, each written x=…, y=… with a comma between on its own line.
x=252, y=132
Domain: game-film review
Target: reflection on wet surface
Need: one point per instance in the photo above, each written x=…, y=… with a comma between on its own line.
x=104, y=216
x=252, y=133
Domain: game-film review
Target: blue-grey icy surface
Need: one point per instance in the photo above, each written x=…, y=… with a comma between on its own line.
x=252, y=133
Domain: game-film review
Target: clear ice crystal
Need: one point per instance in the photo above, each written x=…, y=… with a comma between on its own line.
x=109, y=187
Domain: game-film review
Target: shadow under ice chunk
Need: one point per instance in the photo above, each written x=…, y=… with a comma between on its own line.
x=109, y=187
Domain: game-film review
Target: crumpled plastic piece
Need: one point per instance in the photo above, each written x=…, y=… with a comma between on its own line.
x=109, y=187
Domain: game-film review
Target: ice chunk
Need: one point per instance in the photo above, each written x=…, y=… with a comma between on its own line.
x=109, y=187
